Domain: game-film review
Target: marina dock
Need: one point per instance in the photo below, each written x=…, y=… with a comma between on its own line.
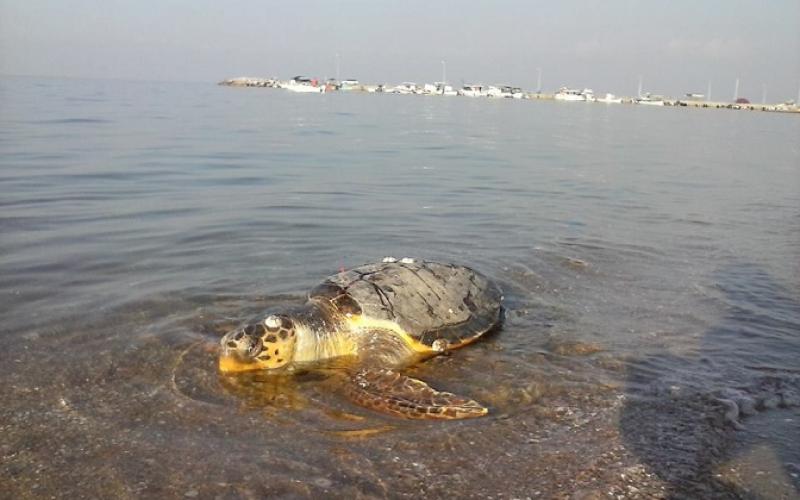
x=303, y=84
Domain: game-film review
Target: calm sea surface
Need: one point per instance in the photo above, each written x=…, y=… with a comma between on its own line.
x=650, y=260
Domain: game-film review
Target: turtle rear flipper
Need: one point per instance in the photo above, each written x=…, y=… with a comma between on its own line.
x=390, y=392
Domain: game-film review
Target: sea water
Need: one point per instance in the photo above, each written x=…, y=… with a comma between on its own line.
x=648, y=257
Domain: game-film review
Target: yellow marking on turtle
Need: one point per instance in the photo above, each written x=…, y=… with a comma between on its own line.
x=359, y=322
x=229, y=364
x=313, y=346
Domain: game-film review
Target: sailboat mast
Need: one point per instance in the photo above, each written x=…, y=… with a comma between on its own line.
x=539, y=81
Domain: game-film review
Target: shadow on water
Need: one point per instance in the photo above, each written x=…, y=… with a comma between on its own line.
x=705, y=423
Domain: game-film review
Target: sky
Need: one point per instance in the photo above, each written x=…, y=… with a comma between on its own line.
x=676, y=46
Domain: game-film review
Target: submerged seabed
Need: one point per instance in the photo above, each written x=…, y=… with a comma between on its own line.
x=649, y=263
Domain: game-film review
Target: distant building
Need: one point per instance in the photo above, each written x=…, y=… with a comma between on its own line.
x=695, y=97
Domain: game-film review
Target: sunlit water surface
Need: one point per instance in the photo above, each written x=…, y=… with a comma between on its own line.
x=649, y=259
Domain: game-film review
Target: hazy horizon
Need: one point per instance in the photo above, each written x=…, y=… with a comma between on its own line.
x=676, y=47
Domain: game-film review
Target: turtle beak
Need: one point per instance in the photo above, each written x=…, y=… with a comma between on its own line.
x=240, y=345
x=238, y=352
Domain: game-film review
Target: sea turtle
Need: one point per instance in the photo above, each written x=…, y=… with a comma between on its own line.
x=375, y=320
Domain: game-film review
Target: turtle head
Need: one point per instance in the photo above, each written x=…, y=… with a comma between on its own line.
x=265, y=345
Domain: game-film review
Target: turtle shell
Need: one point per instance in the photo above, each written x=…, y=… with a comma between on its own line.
x=428, y=300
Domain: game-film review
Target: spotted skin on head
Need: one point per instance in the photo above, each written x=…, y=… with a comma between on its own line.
x=278, y=343
x=261, y=346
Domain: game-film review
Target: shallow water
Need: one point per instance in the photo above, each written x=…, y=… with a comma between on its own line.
x=649, y=259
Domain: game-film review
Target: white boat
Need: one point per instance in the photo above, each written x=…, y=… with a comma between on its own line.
x=494, y=91
x=303, y=84
x=567, y=94
x=429, y=89
x=444, y=89
x=473, y=91
x=504, y=91
x=349, y=84
x=610, y=99
x=438, y=88
x=404, y=88
x=650, y=100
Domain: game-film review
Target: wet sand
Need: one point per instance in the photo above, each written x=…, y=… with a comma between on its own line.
x=148, y=416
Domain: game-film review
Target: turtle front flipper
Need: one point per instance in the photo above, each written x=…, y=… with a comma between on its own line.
x=390, y=392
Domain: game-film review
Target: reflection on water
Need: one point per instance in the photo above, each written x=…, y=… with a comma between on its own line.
x=651, y=290
x=275, y=393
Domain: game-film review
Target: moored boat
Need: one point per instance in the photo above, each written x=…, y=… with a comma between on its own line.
x=504, y=91
x=404, y=88
x=304, y=84
x=650, y=100
x=438, y=88
x=349, y=84
x=568, y=94
x=473, y=91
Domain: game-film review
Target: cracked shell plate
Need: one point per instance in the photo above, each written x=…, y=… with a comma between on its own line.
x=428, y=300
